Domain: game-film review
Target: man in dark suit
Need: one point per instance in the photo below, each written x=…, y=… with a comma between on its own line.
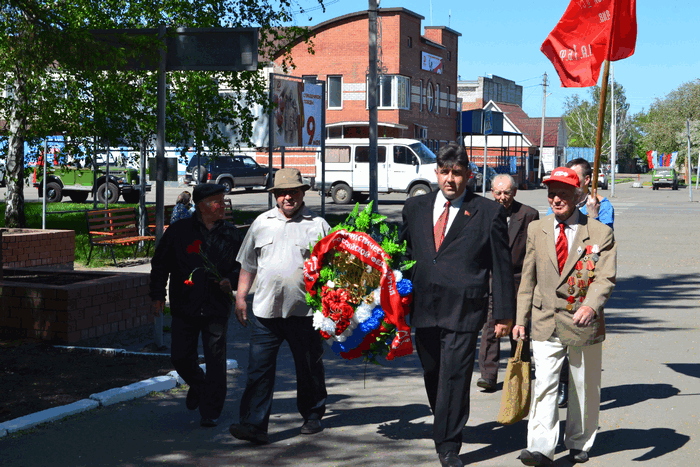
x=519, y=215
x=458, y=239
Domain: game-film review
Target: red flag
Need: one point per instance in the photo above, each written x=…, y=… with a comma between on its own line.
x=590, y=32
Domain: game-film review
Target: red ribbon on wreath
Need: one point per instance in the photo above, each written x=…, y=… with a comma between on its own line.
x=369, y=252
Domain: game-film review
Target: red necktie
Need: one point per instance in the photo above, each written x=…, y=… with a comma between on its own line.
x=562, y=247
x=441, y=226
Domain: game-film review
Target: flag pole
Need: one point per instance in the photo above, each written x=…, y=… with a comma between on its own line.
x=599, y=130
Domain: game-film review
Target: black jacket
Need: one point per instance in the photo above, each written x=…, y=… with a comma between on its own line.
x=172, y=259
x=451, y=286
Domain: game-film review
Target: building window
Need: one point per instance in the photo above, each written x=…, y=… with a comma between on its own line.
x=335, y=92
x=421, y=95
x=409, y=42
x=430, y=96
x=437, y=98
x=394, y=92
x=449, y=55
x=449, y=100
x=310, y=78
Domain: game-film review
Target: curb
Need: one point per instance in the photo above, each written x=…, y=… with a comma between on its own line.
x=102, y=399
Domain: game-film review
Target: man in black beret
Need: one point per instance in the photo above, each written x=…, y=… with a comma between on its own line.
x=198, y=254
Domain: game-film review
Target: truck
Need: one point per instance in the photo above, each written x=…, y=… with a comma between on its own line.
x=403, y=166
x=78, y=182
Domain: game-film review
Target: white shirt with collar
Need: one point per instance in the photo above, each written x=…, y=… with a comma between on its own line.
x=439, y=207
x=572, y=224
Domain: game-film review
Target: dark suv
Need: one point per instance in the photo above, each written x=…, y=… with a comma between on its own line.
x=229, y=171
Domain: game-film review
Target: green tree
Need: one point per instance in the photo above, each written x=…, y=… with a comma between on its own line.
x=664, y=126
x=60, y=80
x=581, y=117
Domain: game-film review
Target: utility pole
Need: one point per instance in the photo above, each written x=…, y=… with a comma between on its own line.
x=372, y=103
x=613, y=133
x=544, y=108
x=689, y=178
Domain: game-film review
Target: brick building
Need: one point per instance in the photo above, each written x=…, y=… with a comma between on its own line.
x=417, y=82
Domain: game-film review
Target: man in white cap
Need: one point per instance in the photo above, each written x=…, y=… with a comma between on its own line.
x=568, y=275
x=274, y=251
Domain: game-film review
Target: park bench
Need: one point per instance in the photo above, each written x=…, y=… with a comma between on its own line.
x=151, y=217
x=108, y=228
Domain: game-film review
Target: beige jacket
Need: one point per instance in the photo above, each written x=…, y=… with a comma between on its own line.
x=548, y=299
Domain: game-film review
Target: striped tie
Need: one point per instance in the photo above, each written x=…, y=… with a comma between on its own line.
x=441, y=226
x=562, y=247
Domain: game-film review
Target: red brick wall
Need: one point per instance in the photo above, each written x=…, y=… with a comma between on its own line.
x=25, y=248
x=102, y=304
x=341, y=48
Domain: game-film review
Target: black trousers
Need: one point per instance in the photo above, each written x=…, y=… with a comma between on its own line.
x=490, y=349
x=267, y=335
x=448, y=361
x=185, y=338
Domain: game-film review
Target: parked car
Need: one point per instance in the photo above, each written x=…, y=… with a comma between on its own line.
x=237, y=171
x=664, y=177
x=490, y=174
x=603, y=179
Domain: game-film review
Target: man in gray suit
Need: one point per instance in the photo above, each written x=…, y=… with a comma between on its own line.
x=568, y=275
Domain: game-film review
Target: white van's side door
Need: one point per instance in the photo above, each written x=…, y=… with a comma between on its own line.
x=360, y=180
x=404, y=167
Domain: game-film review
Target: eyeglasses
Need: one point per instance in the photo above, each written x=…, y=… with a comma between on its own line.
x=499, y=193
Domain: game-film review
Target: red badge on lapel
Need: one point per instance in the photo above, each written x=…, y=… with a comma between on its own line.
x=467, y=213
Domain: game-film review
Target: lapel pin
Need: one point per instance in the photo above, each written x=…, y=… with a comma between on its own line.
x=466, y=213
x=579, y=250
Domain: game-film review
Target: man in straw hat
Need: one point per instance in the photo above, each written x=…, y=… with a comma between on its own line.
x=274, y=251
x=568, y=275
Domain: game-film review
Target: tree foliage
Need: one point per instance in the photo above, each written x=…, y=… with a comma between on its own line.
x=60, y=80
x=581, y=117
x=664, y=126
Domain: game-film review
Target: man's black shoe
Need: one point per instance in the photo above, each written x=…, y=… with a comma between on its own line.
x=450, y=459
x=192, y=401
x=311, y=426
x=534, y=458
x=486, y=384
x=577, y=456
x=208, y=422
x=248, y=433
x=563, y=398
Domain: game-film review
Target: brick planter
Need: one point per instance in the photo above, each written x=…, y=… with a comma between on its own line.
x=29, y=248
x=71, y=306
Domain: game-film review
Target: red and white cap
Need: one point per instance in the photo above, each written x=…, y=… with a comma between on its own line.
x=563, y=175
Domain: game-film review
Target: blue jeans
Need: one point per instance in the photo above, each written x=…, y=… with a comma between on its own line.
x=267, y=335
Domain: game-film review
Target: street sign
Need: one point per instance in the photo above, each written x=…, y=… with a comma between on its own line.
x=488, y=122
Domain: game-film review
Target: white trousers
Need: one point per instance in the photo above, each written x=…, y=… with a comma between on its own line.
x=584, y=396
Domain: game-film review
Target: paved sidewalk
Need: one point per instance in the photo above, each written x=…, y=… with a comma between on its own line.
x=378, y=416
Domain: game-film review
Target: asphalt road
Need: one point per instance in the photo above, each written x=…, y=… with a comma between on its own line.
x=378, y=416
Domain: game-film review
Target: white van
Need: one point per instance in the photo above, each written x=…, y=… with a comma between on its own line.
x=403, y=166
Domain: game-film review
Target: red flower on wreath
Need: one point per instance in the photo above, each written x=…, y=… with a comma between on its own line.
x=336, y=307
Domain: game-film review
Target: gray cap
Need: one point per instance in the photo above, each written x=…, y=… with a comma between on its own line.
x=205, y=190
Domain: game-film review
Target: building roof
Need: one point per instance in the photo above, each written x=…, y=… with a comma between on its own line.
x=531, y=127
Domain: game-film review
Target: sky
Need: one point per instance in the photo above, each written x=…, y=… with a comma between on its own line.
x=503, y=38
